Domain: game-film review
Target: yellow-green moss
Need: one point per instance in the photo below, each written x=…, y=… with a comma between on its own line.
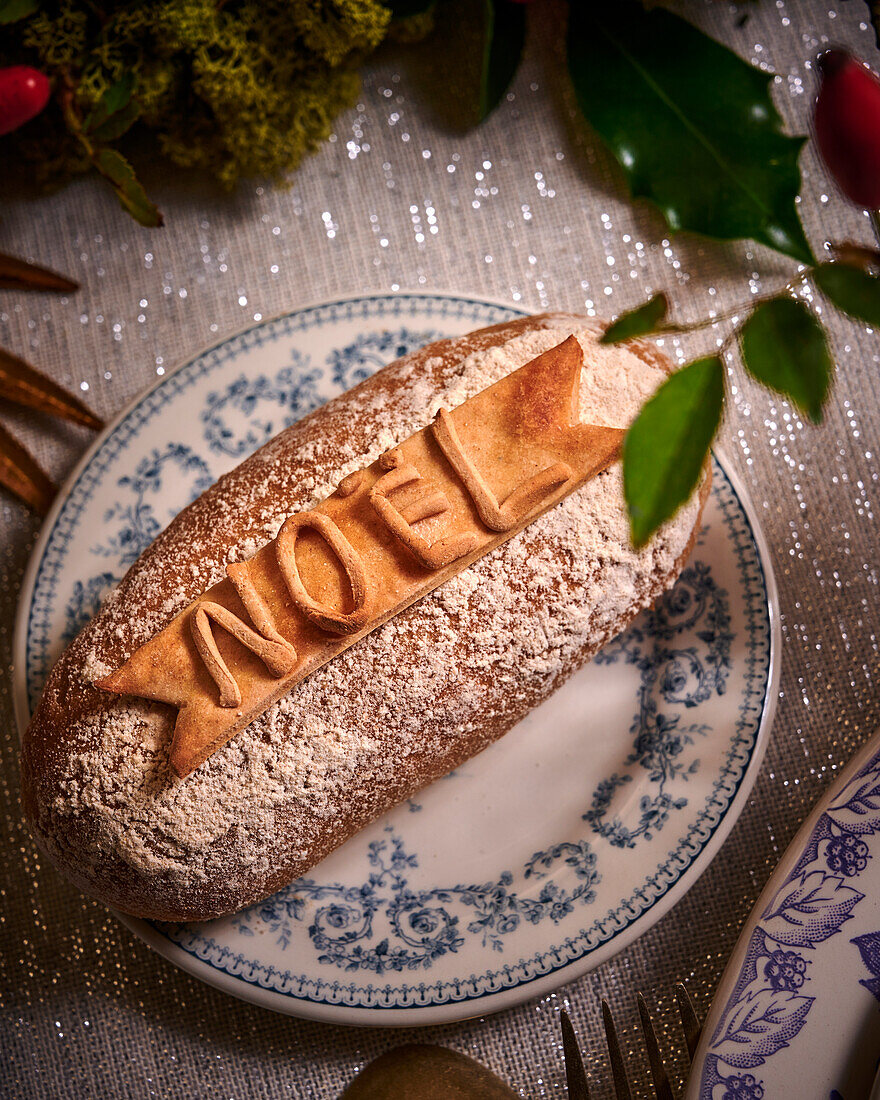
x=235, y=88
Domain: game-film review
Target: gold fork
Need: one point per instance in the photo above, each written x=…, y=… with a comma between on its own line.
x=428, y=1072
x=576, y=1075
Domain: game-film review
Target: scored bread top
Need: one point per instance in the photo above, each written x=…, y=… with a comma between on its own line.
x=436, y=683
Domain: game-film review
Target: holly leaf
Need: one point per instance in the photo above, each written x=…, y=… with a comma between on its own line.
x=636, y=322
x=115, y=168
x=504, y=33
x=691, y=124
x=666, y=445
x=851, y=289
x=784, y=347
x=13, y=10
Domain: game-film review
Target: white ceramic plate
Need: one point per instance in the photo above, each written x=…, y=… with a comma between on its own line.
x=538, y=859
x=797, y=1013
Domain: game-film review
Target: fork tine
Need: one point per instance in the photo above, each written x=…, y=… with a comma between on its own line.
x=618, y=1072
x=575, y=1074
x=658, y=1071
x=689, y=1020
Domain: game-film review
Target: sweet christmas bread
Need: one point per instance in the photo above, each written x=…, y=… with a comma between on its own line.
x=376, y=595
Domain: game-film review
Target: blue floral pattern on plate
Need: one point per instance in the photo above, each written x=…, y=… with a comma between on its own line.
x=132, y=522
x=247, y=412
x=693, y=689
x=682, y=676
x=774, y=985
x=418, y=926
x=369, y=351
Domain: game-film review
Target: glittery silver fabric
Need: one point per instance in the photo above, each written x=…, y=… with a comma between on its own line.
x=527, y=208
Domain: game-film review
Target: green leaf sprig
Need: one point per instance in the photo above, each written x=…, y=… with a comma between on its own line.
x=664, y=450
x=782, y=345
x=114, y=114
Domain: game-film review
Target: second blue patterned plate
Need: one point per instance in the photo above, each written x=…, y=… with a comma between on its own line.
x=539, y=858
x=795, y=1012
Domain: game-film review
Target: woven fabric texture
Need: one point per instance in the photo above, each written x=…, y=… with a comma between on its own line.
x=528, y=208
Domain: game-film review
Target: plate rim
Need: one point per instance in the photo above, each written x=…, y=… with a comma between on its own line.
x=787, y=862
x=484, y=1004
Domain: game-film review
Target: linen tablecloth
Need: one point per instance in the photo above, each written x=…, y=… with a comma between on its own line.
x=528, y=208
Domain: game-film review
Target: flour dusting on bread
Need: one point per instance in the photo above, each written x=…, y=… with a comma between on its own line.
x=434, y=685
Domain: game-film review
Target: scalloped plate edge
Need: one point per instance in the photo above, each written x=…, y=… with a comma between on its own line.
x=489, y=1002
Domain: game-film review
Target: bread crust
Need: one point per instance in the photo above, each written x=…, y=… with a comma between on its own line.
x=95, y=791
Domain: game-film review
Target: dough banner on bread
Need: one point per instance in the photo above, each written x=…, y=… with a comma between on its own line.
x=390, y=534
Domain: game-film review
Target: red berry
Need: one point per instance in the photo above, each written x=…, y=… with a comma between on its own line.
x=847, y=125
x=24, y=92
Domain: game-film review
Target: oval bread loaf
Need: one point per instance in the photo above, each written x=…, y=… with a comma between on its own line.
x=403, y=706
